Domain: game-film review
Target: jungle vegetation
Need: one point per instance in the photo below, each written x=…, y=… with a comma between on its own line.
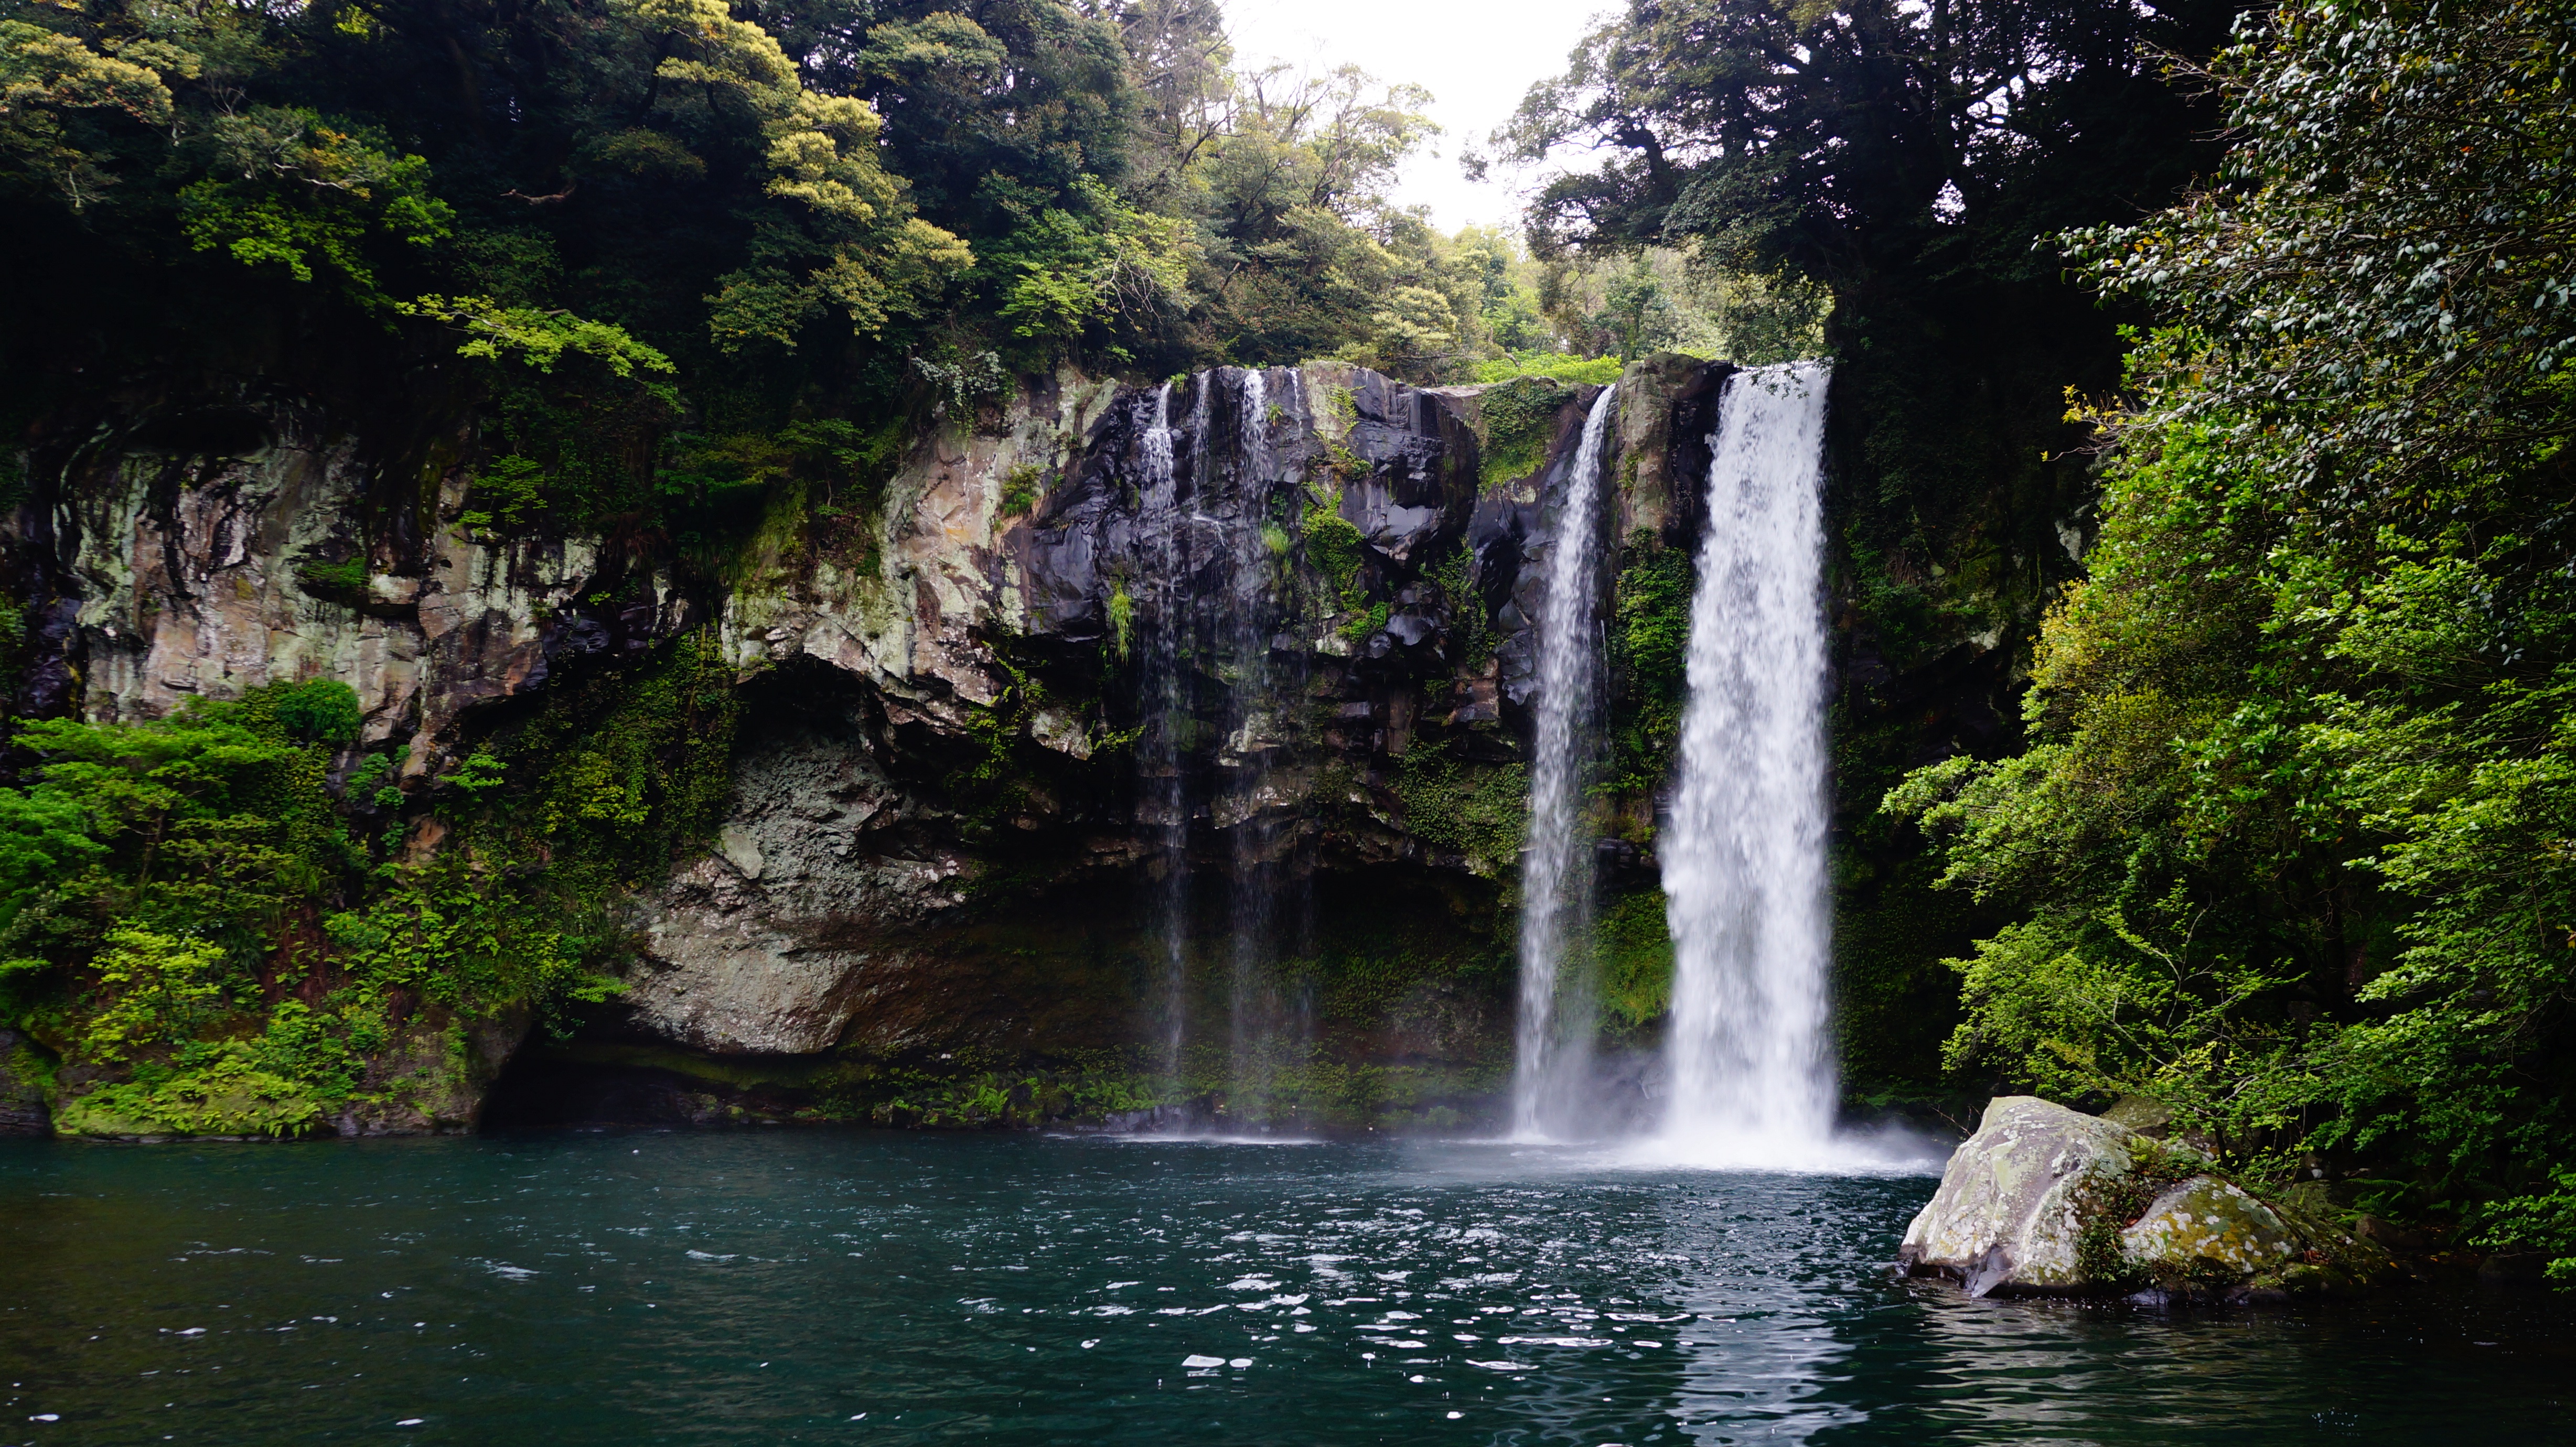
x=2290, y=847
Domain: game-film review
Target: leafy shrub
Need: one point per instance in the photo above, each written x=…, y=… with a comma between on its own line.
x=1020, y=490
x=323, y=711
x=1593, y=371
x=1479, y=810
x=510, y=490
x=340, y=582
x=1520, y=424
x=1335, y=547
x=155, y=989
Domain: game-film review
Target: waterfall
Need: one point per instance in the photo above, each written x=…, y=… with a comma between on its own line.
x=1206, y=603
x=1263, y=1032
x=1556, y=874
x=1744, y=853
x=1163, y=777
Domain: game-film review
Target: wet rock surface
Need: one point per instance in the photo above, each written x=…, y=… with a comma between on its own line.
x=2205, y=1228
x=2011, y=1204
x=763, y=945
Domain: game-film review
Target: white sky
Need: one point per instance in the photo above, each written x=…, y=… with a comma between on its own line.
x=1476, y=57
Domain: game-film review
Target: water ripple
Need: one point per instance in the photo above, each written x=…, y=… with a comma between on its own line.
x=845, y=1287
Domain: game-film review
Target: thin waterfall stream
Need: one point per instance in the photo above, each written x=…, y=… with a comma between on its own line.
x=1744, y=854
x=1165, y=682
x=1555, y=1028
x=1249, y=1005
x=1265, y=915
x=1209, y=599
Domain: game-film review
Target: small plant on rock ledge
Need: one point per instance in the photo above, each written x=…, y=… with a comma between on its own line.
x=1021, y=488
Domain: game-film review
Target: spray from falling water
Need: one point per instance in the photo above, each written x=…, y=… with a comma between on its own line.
x=1744, y=854
x=1556, y=877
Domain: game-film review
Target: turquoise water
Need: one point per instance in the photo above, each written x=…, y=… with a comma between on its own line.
x=881, y=1288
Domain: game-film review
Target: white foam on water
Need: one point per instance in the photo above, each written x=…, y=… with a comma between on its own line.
x=1219, y=1140
x=1878, y=1151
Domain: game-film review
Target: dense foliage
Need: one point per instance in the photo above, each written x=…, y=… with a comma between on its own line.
x=2291, y=847
x=712, y=213
x=1902, y=160
x=188, y=914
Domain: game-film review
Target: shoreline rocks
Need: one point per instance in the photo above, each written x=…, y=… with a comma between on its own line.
x=2048, y=1201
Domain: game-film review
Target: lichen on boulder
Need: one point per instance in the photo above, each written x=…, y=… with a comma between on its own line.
x=2208, y=1229
x=2044, y=1200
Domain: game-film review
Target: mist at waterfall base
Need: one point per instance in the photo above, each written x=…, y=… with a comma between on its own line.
x=835, y=1285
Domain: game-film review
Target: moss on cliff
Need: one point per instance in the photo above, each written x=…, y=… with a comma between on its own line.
x=626, y=765
x=1518, y=422
x=1649, y=653
x=1635, y=948
x=1477, y=810
x=1335, y=548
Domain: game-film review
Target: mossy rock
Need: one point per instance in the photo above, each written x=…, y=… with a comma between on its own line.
x=2044, y=1200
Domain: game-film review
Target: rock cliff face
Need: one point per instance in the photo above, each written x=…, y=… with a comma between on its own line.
x=215, y=549
x=1078, y=736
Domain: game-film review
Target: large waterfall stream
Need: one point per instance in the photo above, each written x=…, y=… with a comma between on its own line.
x=1743, y=851
x=1551, y=1075
x=1744, y=854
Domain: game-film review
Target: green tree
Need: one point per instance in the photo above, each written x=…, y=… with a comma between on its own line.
x=1637, y=313
x=2290, y=848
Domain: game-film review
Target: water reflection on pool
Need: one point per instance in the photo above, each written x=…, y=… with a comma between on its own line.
x=862, y=1287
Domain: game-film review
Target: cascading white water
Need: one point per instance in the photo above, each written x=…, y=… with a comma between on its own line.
x=1744, y=854
x=1547, y=1081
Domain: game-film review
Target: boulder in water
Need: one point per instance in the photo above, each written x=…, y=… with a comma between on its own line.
x=2044, y=1200
x=2208, y=1230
